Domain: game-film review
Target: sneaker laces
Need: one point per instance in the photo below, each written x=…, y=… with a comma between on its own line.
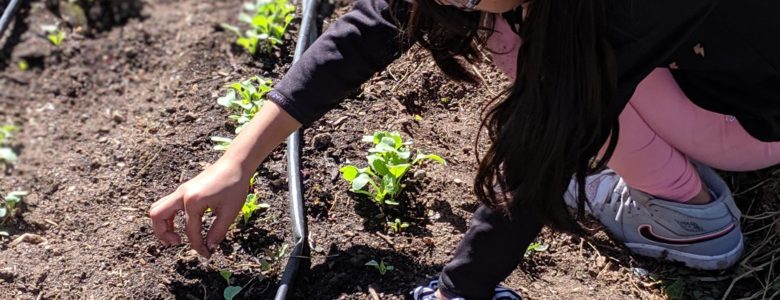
x=598, y=191
x=623, y=202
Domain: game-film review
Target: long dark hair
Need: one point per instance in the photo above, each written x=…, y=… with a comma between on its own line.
x=557, y=115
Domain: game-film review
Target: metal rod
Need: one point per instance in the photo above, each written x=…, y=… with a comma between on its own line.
x=6, y=18
x=308, y=33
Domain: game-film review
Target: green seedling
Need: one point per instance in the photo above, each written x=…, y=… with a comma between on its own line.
x=54, y=34
x=380, y=266
x=397, y=226
x=388, y=161
x=535, y=247
x=267, y=21
x=23, y=65
x=10, y=202
x=230, y=291
x=250, y=206
x=244, y=99
x=226, y=274
x=221, y=143
x=7, y=154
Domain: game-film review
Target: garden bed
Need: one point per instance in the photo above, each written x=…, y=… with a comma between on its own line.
x=113, y=122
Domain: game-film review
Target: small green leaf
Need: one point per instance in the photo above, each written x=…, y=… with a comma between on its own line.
x=379, y=166
x=7, y=154
x=226, y=274
x=15, y=196
x=221, y=139
x=404, y=155
x=23, y=65
x=349, y=172
x=230, y=28
x=398, y=171
x=378, y=136
x=389, y=185
x=231, y=292
x=250, y=205
x=382, y=147
x=360, y=181
x=420, y=157
x=535, y=247
x=390, y=141
x=228, y=99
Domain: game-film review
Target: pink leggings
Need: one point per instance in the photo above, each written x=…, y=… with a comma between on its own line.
x=661, y=130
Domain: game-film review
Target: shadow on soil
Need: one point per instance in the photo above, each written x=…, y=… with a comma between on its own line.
x=208, y=284
x=96, y=15
x=409, y=210
x=344, y=272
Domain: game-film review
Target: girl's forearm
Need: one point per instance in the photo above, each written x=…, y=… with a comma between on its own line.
x=266, y=131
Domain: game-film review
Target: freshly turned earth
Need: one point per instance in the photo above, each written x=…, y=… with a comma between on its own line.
x=112, y=123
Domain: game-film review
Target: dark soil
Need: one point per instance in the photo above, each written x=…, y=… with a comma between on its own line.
x=113, y=122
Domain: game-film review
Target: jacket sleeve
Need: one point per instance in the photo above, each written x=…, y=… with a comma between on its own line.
x=490, y=250
x=360, y=43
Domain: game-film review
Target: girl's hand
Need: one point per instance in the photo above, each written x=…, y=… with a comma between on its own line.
x=221, y=187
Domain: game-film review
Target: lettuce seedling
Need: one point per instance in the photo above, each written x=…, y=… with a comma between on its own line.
x=230, y=291
x=54, y=34
x=535, y=247
x=250, y=206
x=226, y=274
x=397, y=226
x=267, y=21
x=380, y=266
x=222, y=143
x=7, y=154
x=244, y=99
x=10, y=202
x=388, y=161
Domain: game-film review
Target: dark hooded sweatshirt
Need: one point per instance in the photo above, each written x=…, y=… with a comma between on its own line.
x=725, y=55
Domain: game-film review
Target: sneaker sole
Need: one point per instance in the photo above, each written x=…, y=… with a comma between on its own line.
x=694, y=261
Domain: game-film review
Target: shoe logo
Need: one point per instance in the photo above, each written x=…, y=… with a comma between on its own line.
x=646, y=231
x=690, y=226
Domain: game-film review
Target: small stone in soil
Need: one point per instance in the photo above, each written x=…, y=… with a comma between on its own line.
x=189, y=117
x=117, y=117
x=601, y=261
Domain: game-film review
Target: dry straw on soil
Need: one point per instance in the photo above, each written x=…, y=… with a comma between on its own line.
x=755, y=276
